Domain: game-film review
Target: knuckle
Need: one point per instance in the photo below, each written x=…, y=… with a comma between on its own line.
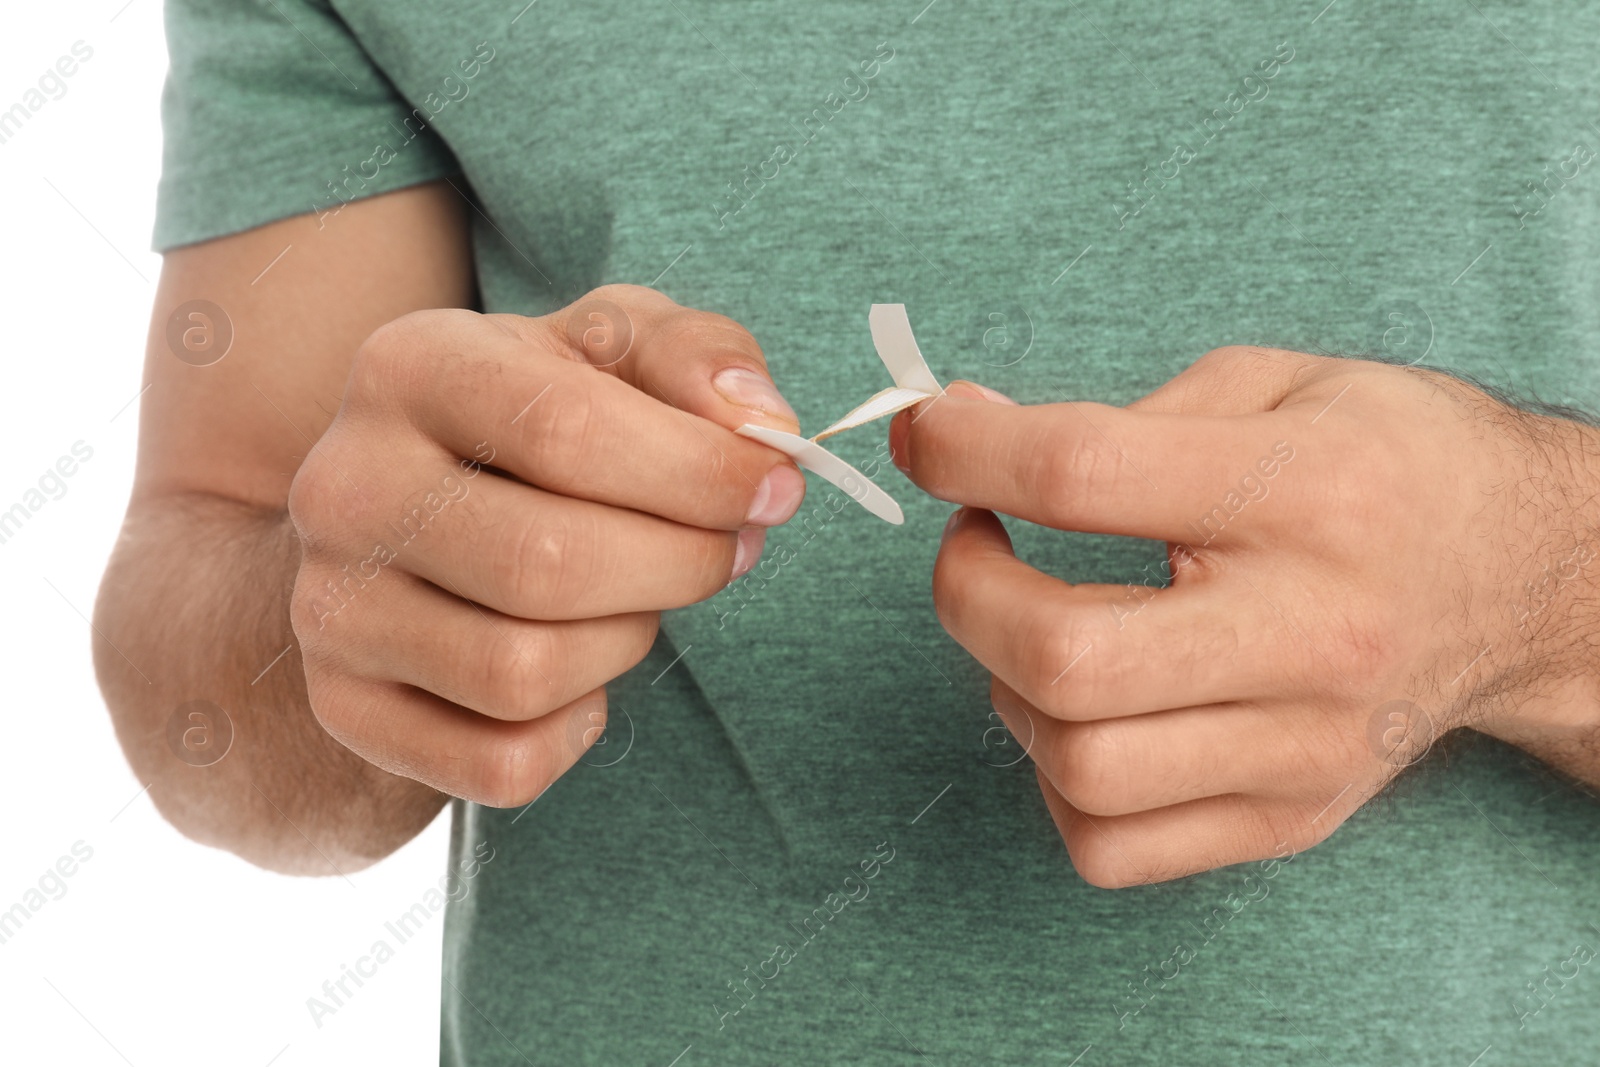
x=1078, y=465
x=720, y=330
x=549, y=566
x=520, y=673
x=564, y=434
x=1255, y=359
x=400, y=364
x=599, y=327
x=1059, y=661
x=1092, y=768
x=337, y=707
x=394, y=340
x=326, y=521
x=308, y=614
x=706, y=331
x=314, y=498
x=625, y=294
x=391, y=347
x=1228, y=356
x=712, y=485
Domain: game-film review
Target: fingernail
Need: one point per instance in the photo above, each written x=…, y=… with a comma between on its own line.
x=951, y=523
x=751, y=542
x=777, y=497
x=748, y=389
x=974, y=391
x=900, y=444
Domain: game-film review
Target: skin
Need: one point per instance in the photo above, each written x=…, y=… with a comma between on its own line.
x=1424, y=561
x=1418, y=560
x=459, y=526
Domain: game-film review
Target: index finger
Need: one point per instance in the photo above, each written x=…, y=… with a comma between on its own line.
x=1092, y=467
x=500, y=398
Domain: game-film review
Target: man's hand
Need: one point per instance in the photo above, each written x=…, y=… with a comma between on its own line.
x=1361, y=558
x=497, y=514
x=487, y=513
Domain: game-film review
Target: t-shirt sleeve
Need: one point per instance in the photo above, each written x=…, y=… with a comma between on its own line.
x=272, y=108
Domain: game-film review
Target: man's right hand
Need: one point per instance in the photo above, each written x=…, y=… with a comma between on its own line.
x=371, y=648
x=497, y=514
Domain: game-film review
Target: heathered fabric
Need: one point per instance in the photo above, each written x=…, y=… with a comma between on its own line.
x=1074, y=200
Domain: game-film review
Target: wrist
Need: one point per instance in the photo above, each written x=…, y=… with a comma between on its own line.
x=1547, y=700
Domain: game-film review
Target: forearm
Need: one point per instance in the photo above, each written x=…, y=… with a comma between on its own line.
x=195, y=606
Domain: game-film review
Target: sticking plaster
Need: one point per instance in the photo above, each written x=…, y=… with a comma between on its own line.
x=913, y=383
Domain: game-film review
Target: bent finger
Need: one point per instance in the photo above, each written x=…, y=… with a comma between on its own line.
x=539, y=555
x=1095, y=651
x=1136, y=763
x=1174, y=842
x=496, y=762
x=499, y=665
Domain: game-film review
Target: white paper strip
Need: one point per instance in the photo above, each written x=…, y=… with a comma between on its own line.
x=913, y=383
x=813, y=457
x=897, y=347
x=885, y=403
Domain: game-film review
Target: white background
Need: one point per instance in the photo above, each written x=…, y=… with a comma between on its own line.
x=161, y=952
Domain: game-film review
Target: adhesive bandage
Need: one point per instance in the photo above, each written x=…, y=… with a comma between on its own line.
x=913, y=383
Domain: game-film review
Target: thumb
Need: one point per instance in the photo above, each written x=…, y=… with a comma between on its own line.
x=696, y=361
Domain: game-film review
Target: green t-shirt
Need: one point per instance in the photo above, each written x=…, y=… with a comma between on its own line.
x=806, y=840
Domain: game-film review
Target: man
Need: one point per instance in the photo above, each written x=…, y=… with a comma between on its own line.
x=1238, y=603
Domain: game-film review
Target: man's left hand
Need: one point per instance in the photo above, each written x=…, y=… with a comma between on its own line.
x=1361, y=558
